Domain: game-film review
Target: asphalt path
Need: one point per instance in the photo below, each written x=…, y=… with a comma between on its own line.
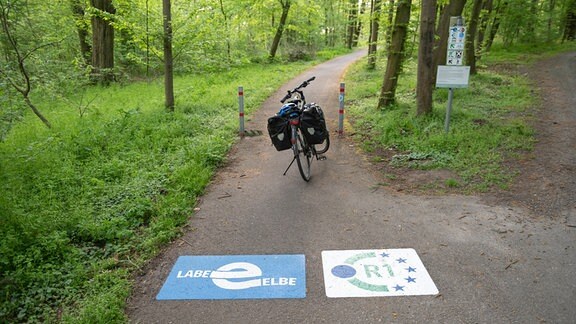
x=490, y=263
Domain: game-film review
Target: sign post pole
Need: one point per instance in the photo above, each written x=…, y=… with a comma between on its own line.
x=241, y=110
x=453, y=74
x=448, y=110
x=341, y=110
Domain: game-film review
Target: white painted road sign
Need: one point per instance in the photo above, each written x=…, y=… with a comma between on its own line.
x=236, y=277
x=371, y=273
x=452, y=76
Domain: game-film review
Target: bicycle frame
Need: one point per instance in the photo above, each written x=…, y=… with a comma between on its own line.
x=300, y=146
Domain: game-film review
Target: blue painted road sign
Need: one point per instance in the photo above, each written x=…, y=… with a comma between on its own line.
x=236, y=277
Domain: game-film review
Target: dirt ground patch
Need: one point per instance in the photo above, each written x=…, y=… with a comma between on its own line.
x=546, y=183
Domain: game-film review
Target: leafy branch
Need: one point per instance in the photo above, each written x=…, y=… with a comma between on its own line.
x=25, y=89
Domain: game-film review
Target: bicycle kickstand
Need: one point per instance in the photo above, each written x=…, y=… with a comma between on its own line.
x=293, y=159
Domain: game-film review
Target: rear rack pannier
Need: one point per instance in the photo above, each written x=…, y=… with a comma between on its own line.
x=279, y=131
x=313, y=124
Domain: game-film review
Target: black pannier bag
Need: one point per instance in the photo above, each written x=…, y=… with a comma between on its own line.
x=313, y=124
x=279, y=131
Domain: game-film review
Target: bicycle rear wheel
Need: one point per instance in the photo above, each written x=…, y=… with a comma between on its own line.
x=324, y=146
x=303, y=156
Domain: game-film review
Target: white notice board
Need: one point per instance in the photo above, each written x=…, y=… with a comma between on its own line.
x=452, y=76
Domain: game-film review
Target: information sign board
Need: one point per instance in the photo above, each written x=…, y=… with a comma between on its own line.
x=452, y=76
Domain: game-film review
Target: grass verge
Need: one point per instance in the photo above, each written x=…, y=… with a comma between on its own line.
x=86, y=203
x=490, y=122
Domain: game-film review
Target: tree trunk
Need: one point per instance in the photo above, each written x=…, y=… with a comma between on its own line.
x=102, y=42
x=374, y=26
x=276, y=42
x=425, y=79
x=82, y=29
x=532, y=20
x=227, y=31
x=390, y=26
x=495, y=24
x=358, y=28
x=453, y=9
x=549, y=23
x=471, y=36
x=352, y=22
x=395, y=55
x=168, y=61
x=570, y=27
x=485, y=16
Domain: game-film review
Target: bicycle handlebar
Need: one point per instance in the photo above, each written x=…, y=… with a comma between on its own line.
x=297, y=89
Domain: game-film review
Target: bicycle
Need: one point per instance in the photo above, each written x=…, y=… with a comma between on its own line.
x=309, y=137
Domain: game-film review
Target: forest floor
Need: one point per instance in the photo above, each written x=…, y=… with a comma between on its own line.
x=546, y=177
x=504, y=256
x=546, y=182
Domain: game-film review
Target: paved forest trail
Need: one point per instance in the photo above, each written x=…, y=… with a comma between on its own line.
x=491, y=262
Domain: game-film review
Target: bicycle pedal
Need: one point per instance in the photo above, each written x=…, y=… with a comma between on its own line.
x=321, y=157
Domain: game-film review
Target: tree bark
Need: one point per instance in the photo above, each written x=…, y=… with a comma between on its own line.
x=102, y=42
x=390, y=26
x=570, y=27
x=374, y=26
x=276, y=42
x=82, y=29
x=358, y=25
x=395, y=54
x=168, y=60
x=424, y=86
x=352, y=23
x=453, y=9
x=549, y=22
x=471, y=36
x=227, y=30
x=495, y=24
x=484, y=18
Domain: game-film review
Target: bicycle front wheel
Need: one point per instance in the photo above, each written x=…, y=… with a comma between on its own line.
x=303, y=156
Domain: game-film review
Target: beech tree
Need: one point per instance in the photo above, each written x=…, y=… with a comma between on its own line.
x=471, y=36
x=168, y=60
x=485, y=14
x=569, y=33
x=375, y=9
x=102, y=40
x=358, y=27
x=395, y=54
x=352, y=23
x=389, y=23
x=280, y=29
x=79, y=11
x=424, y=86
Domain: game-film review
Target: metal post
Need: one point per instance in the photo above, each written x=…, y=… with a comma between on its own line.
x=448, y=110
x=341, y=110
x=241, y=110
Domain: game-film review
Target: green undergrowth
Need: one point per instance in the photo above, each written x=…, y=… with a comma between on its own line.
x=89, y=201
x=489, y=124
x=524, y=53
